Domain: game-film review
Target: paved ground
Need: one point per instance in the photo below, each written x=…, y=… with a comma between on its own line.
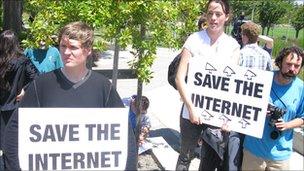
x=165, y=101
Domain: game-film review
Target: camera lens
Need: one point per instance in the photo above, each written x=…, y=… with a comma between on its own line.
x=274, y=135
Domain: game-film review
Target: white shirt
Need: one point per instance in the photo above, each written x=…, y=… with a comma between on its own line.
x=198, y=44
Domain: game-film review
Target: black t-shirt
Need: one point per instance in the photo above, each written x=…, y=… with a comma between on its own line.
x=53, y=89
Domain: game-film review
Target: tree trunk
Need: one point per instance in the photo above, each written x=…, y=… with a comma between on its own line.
x=12, y=15
x=263, y=29
x=115, y=64
x=297, y=33
x=268, y=28
x=139, y=88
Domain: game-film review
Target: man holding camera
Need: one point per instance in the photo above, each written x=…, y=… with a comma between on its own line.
x=273, y=150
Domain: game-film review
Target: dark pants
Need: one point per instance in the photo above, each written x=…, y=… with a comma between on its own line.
x=231, y=159
x=4, y=118
x=190, y=134
x=210, y=159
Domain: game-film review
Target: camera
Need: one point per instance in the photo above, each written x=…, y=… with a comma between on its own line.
x=276, y=114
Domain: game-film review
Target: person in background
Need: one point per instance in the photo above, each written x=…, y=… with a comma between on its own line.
x=145, y=122
x=44, y=58
x=273, y=150
x=73, y=86
x=236, y=30
x=16, y=72
x=252, y=55
x=202, y=22
x=211, y=42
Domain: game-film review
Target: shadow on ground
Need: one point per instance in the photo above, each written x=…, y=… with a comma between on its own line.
x=170, y=135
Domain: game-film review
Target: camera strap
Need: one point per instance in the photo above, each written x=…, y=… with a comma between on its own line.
x=278, y=97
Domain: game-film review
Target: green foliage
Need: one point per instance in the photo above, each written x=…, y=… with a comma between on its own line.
x=188, y=12
x=142, y=24
x=47, y=18
x=146, y=29
x=50, y=16
x=239, y=6
x=147, y=24
x=270, y=12
x=298, y=19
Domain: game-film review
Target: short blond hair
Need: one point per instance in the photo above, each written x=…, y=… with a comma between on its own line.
x=78, y=31
x=251, y=30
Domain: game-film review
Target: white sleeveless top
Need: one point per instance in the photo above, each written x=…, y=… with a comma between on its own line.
x=198, y=44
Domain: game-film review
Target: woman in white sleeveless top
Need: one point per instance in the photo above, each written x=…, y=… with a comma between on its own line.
x=209, y=43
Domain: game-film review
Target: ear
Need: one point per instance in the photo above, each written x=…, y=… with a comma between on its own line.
x=227, y=17
x=89, y=51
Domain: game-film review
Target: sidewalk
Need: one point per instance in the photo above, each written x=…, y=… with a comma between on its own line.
x=165, y=103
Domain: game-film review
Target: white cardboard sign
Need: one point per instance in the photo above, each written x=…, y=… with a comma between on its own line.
x=227, y=93
x=73, y=138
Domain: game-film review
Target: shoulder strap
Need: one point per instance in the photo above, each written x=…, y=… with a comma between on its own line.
x=278, y=97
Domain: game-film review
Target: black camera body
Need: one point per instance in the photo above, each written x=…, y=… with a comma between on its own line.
x=276, y=114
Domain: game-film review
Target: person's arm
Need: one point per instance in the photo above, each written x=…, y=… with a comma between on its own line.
x=268, y=41
x=294, y=123
x=181, y=85
x=297, y=122
x=269, y=64
x=31, y=72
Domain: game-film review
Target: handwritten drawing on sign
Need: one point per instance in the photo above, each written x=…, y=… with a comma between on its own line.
x=73, y=138
x=227, y=93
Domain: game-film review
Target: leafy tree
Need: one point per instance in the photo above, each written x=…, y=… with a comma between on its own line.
x=248, y=7
x=188, y=12
x=298, y=20
x=45, y=18
x=270, y=12
x=142, y=24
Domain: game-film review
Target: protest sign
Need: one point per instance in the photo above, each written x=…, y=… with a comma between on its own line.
x=73, y=138
x=227, y=93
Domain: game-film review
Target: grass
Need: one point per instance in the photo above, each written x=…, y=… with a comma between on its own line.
x=284, y=36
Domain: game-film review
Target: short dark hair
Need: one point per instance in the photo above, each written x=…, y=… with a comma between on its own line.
x=201, y=20
x=286, y=51
x=144, y=102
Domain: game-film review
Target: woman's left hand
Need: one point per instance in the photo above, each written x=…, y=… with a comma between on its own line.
x=225, y=127
x=20, y=96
